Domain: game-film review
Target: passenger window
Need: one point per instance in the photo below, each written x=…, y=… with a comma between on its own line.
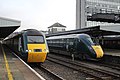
x=71, y=43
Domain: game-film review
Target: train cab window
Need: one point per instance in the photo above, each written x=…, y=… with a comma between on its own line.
x=95, y=41
x=88, y=40
x=35, y=39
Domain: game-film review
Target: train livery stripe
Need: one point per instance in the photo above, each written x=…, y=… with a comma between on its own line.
x=7, y=66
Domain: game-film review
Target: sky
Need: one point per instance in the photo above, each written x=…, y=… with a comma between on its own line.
x=40, y=14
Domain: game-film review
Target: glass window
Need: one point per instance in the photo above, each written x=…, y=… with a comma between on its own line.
x=35, y=39
x=54, y=29
x=63, y=29
x=89, y=40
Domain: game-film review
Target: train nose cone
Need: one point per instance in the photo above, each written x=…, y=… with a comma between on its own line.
x=98, y=50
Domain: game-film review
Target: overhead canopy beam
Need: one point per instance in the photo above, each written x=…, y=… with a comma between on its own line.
x=5, y=31
x=96, y=31
x=7, y=26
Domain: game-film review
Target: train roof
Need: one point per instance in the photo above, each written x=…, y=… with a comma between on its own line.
x=27, y=31
x=68, y=36
x=32, y=32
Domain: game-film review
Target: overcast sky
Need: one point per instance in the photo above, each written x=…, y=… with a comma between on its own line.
x=40, y=14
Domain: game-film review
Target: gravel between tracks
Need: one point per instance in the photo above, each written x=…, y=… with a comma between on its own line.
x=65, y=72
x=95, y=66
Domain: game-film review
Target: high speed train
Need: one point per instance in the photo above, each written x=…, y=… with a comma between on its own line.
x=79, y=45
x=29, y=44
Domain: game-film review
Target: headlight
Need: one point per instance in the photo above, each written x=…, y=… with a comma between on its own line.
x=46, y=50
x=28, y=50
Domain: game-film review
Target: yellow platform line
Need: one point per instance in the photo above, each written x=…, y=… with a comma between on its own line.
x=7, y=66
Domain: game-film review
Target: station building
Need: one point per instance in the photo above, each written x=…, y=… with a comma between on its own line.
x=97, y=13
x=56, y=27
x=108, y=7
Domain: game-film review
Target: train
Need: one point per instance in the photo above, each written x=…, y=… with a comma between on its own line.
x=80, y=45
x=29, y=44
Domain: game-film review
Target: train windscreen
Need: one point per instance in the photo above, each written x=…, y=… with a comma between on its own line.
x=35, y=39
x=89, y=40
x=96, y=41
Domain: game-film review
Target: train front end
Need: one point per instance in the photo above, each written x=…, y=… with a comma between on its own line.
x=93, y=48
x=37, y=49
x=98, y=50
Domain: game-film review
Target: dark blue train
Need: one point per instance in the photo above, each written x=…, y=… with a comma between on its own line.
x=81, y=45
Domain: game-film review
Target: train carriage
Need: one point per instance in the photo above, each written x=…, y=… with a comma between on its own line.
x=29, y=44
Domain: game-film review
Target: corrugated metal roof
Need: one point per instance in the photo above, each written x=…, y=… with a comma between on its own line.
x=96, y=31
x=5, y=31
x=9, y=22
x=7, y=26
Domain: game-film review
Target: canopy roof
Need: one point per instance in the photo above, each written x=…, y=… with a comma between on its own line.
x=96, y=31
x=7, y=26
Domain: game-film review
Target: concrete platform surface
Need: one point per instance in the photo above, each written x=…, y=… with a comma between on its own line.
x=112, y=52
x=11, y=68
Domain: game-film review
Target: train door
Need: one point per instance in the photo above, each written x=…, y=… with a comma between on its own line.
x=75, y=46
x=71, y=46
x=80, y=49
x=21, y=49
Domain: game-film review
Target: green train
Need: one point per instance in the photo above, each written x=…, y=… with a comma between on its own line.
x=79, y=45
x=29, y=44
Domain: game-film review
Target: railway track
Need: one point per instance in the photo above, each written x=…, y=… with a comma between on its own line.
x=113, y=66
x=109, y=65
x=96, y=72
x=46, y=73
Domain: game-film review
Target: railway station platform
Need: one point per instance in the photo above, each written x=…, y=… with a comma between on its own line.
x=111, y=56
x=112, y=52
x=11, y=68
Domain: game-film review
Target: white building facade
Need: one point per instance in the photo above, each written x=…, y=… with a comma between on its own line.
x=92, y=7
